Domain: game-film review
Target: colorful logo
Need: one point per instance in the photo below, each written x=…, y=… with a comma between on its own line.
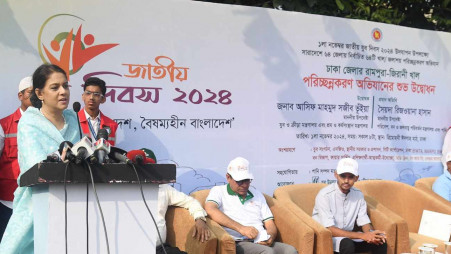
x=67, y=50
x=376, y=34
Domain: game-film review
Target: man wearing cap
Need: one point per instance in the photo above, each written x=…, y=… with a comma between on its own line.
x=244, y=214
x=91, y=119
x=442, y=186
x=9, y=166
x=339, y=206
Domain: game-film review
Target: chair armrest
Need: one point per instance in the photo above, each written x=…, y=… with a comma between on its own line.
x=382, y=222
x=292, y=230
x=402, y=230
x=226, y=244
x=323, y=236
x=180, y=226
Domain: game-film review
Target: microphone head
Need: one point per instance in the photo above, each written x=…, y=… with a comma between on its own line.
x=81, y=154
x=102, y=145
x=83, y=148
x=102, y=133
x=118, y=155
x=76, y=106
x=114, y=149
x=63, y=145
x=149, y=154
x=137, y=156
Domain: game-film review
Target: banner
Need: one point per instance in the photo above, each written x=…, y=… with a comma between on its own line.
x=201, y=83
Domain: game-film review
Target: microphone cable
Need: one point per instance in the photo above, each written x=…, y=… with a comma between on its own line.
x=65, y=206
x=148, y=209
x=87, y=218
x=98, y=205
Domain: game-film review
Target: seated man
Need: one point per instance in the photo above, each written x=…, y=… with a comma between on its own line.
x=168, y=196
x=339, y=206
x=442, y=186
x=244, y=214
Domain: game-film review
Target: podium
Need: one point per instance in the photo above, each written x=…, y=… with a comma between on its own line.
x=130, y=228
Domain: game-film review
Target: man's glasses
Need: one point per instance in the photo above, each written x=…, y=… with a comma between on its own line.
x=241, y=182
x=95, y=94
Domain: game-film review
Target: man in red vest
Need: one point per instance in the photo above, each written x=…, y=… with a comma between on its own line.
x=91, y=119
x=9, y=166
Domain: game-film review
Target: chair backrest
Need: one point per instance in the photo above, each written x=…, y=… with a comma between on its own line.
x=201, y=196
x=403, y=199
x=303, y=195
x=425, y=183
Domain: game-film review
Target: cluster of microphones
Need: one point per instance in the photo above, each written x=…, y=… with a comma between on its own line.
x=99, y=152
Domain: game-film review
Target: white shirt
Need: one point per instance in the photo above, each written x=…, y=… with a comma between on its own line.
x=2, y=139
x=334, y=208
x=250, y=211
x=95, y=123
x=2, y=145
x=168, y=196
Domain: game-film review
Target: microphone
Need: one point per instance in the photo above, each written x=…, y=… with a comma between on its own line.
x=52, y=157
x=102, y=147
x=83, y=150
x=69, y=155
x=137, y=156
x=76, y=106
x=118, y=155
x=150, y=155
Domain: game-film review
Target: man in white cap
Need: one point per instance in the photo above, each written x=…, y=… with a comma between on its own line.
x=442, y=186
x=339, y=206
x=9, y=166
x=244, y=214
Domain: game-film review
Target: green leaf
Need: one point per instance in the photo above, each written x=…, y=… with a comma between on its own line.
x=340, y=5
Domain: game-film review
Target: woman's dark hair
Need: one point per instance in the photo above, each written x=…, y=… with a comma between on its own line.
x=40, y=76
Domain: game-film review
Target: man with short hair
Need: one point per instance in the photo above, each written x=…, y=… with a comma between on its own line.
x=339, y=206
x=9, y=166
x=442, y=186
x=245, y=215
x=91, y=118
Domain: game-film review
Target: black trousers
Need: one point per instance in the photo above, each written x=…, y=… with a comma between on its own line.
x=5, y=214
x=348, y=246
x=169, y=250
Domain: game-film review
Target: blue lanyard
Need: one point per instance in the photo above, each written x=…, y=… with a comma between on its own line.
x=94, y=135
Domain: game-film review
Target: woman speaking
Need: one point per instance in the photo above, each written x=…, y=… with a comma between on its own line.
x=41, y=130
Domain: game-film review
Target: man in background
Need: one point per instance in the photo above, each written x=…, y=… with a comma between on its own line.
x=245, y=215
x=442, y=186
x=91, y=118
x=339, y=206
x=9, y=166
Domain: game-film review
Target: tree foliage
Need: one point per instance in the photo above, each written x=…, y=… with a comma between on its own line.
x=425, y=14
